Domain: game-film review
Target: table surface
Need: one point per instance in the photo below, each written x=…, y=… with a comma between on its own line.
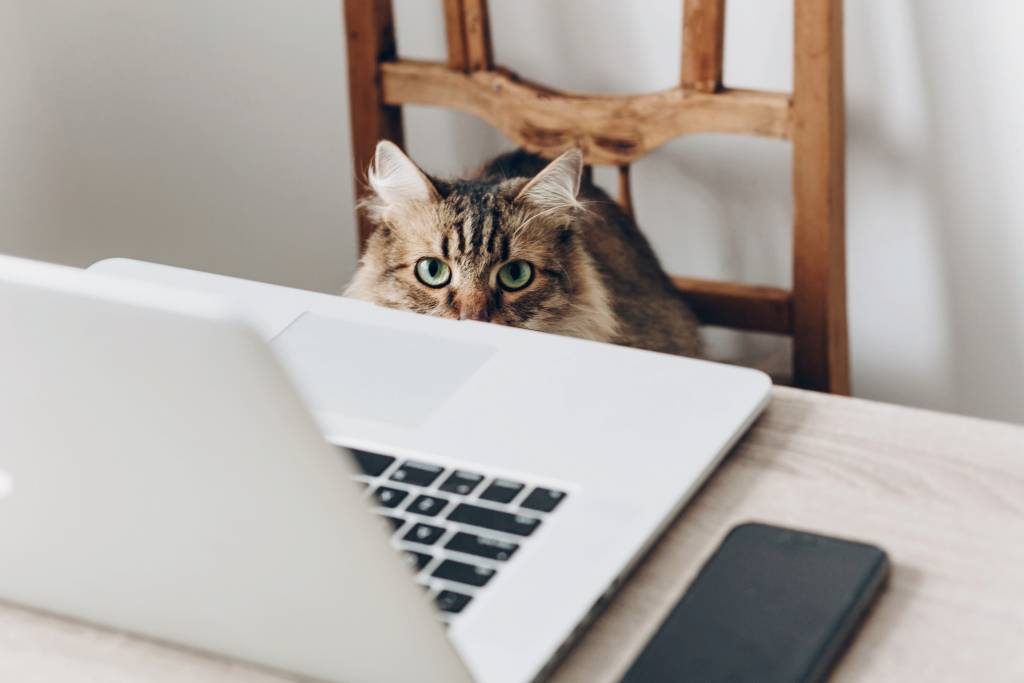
x=944, y=495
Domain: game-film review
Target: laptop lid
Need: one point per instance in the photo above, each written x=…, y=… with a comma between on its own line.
x=629, y=434
x=161, y=476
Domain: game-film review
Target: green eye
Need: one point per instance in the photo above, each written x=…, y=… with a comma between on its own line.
x=515, y=275
x=433, y=272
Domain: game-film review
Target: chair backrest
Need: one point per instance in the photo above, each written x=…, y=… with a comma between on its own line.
x=618, y=130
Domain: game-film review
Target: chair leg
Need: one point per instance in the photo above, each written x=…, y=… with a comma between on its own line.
x=820, y=347
x=369, y=26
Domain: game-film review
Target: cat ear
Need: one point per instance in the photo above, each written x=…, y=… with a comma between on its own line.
x=396, y=180
x=557, y=185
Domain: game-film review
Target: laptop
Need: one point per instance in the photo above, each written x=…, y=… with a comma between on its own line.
x=327, y=488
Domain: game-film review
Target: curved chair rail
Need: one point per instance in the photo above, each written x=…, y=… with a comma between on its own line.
x=612, y=130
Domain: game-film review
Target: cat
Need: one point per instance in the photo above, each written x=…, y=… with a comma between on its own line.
x=523, y=243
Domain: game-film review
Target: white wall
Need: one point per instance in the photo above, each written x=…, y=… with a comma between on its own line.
x=214, y=135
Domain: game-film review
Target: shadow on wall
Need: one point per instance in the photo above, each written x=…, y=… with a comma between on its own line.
x=974, y=219
x=899, y=310
x=935, y=316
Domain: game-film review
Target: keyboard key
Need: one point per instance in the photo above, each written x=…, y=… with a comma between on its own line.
x=520, y=525
x=373, y=464
x=450, y=601
x=501, y=491
x=460, y=572
x=543, y=500
x=395, y=522
x=417, y=473
x=462, y=482
x=427, y=534
x=416, y=560
x=482, y=546
x=389, y=497
x=427, y=505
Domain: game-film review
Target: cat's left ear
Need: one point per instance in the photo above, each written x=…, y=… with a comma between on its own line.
x=396, y=180
x=557, y=185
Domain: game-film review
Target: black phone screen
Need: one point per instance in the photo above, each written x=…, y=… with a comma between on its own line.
x=771, y=605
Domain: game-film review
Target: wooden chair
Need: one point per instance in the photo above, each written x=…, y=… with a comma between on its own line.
x=618, y=130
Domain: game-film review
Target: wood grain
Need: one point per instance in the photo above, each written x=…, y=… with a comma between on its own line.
x=468, y=32
x=455, y=33
x=369, y=29
x=820, y=346
x=703, y=44
x=943, y=495
x=753, y=308
x=612, y=130
x=477, y=26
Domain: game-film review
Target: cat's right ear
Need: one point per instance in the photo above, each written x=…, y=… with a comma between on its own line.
x=396, y=180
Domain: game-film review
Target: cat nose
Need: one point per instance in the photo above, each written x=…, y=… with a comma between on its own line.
x=474, y=308
x=479, y=313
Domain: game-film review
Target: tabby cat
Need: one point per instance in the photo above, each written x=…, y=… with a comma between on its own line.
x=520, y=243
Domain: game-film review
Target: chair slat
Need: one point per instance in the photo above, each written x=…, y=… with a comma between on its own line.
x=455, y=31
x=625, y=192
x=753, y=308
x=703, y=44
x=478, y=35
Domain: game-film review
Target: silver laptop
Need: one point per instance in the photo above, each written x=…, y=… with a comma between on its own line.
x=164, y=470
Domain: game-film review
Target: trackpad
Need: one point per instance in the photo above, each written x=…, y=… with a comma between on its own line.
x=378, y=373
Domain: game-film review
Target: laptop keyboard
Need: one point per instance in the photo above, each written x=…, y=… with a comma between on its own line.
x=455, y=528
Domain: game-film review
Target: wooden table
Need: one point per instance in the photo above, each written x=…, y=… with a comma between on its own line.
x=943, y=494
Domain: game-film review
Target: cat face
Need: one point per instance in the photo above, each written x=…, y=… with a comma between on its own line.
x=504, y=251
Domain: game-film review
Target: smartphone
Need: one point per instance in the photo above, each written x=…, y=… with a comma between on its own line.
x=772, y=605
